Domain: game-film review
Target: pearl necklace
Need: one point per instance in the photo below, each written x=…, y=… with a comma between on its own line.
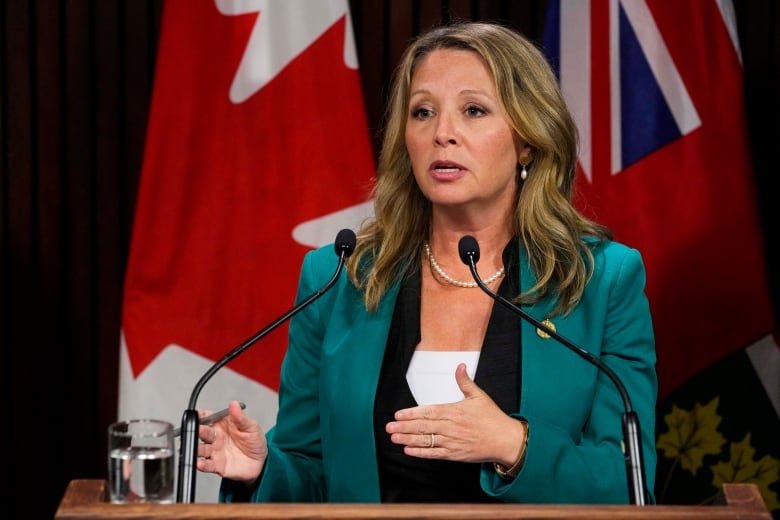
x=498, y=274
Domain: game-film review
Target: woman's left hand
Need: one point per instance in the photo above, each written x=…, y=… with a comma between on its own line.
x=472, y=430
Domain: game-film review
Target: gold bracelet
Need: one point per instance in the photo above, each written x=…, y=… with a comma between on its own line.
x=510, y=473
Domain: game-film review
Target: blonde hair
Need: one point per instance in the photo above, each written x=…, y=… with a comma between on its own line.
x=555, y=235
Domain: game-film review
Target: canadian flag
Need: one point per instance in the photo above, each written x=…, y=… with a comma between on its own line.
x=257, y=150
x=656, y=90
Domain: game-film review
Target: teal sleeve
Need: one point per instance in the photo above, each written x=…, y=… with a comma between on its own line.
x=585, y=463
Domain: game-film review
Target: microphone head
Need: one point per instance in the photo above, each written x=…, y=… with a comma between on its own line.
x=345, y=242
x=468, y=248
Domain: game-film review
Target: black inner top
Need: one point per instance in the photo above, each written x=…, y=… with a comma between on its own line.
x=404, y=478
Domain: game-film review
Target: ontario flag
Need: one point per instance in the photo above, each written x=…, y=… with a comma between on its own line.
x=257, y=151
x=656, y=90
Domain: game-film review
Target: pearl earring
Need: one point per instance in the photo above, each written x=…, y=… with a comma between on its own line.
x=525, y=161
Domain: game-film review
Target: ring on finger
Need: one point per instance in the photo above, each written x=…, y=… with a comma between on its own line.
x=433, y=441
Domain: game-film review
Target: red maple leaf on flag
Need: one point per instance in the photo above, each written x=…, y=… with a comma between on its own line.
x=257, y=151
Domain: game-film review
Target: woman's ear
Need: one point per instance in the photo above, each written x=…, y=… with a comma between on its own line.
x=525, y=154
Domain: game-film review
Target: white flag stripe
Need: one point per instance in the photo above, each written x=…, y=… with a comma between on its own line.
x=660, y=61
x=765, y=357
x=575, y=74
x=615, y=112
x=726, y=8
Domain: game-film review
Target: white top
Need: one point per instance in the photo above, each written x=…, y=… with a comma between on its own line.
x=431, y=375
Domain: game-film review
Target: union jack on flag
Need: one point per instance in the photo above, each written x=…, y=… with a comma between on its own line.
x=656, y=90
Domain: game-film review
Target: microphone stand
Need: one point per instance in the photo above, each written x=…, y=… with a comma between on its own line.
x=637, y=491
x=190, y=422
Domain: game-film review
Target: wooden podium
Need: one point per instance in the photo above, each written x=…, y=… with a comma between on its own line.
x=87, y=499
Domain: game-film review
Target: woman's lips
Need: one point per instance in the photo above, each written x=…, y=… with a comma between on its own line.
x=446, y=171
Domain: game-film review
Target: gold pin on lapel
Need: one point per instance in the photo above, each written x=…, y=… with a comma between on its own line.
x=542, y=334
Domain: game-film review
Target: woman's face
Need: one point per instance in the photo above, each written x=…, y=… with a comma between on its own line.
x=462, y=148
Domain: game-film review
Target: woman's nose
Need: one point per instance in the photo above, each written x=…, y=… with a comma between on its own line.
x=445, y=131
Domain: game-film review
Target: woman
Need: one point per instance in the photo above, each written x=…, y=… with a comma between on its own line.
x=405, y=383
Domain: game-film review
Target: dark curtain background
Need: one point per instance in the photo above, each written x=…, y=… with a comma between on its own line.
x=75, y=83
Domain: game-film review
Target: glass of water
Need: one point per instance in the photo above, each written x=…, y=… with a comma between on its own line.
x=141, y=461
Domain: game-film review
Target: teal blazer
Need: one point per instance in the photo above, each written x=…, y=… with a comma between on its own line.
x=322, y=448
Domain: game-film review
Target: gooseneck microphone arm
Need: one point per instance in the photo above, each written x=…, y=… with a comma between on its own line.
x=188, y=450
x=468, y=249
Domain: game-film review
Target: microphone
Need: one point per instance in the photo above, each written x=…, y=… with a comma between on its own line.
x=188, y=450
x=468, y=249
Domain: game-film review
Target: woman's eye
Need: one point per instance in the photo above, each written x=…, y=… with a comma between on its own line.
x=474, y=111
x=421, y=113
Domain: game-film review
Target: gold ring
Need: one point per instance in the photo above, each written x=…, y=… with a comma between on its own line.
x=433, y=441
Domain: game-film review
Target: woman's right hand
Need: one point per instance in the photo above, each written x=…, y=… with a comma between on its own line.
x=234, y=447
